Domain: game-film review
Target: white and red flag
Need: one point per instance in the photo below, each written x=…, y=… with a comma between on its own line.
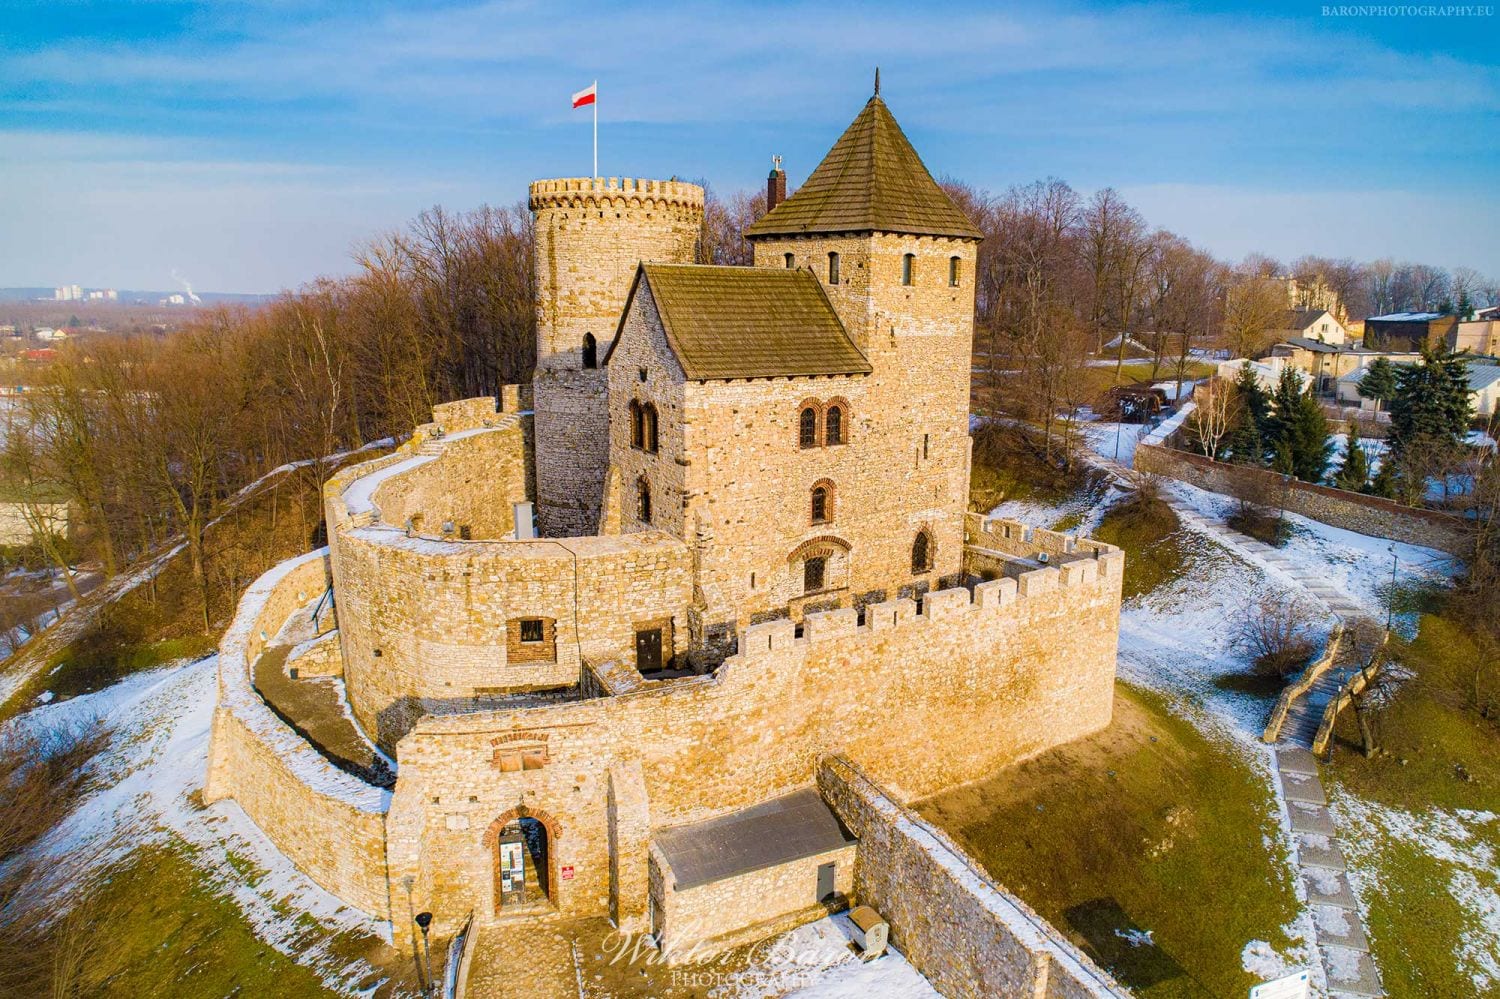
x=585, y=98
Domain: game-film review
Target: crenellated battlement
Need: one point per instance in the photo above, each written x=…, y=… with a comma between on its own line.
x=996, y=595
x=613, y=192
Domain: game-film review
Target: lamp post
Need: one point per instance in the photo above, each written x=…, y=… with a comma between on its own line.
x=407, y=882
x=1390, y=600
x=1286, y=487
x=424, y=920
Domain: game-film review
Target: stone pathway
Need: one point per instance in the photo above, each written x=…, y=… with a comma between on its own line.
x=1338, y=927
x=523, y=960
x=1341, y=940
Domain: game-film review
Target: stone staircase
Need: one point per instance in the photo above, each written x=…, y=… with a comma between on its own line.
x=1342, y=944
x=1343, y=947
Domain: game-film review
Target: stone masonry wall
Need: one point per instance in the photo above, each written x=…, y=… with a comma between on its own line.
x=328, y=823
x=968, y=936
x=590, y=236
x=472, y=487
x=1372, y=515
x=425, y=622
x=924, y=701
x=756, y=904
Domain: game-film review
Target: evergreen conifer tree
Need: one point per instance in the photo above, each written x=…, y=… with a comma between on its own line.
x=1379, y=382
x=1247, y=442
x=1299, y=430
x=1354, y=473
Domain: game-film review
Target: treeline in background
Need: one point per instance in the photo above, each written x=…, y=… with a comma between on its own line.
x=151, y=436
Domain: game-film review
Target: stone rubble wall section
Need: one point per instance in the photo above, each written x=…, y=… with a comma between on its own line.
x=472, y=487
x=968, y=936
x=320, y=656
x=993, y=677
x=1370, y=515
x=329, y=824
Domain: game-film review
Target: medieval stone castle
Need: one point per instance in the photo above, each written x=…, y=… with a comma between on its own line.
x=624, y=633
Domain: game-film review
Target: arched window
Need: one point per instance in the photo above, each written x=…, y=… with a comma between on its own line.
x=643, y=500
x=807, y=427
x=908, y=264
x=833, y=425
x=590, y=351
x=813, y=572
x=833, y=268
x=921, y=552
x=953, y=272
x=637, y=425
x=822, y=504
x=648, y=428
x=791, y=261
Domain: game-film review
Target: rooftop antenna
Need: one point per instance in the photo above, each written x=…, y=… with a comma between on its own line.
x=877, y=81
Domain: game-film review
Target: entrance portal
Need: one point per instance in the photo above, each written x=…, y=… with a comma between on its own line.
x=521, y=871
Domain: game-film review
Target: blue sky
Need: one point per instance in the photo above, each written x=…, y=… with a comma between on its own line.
x=253, y=144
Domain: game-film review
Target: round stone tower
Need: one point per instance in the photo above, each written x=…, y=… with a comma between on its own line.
x=590, y=236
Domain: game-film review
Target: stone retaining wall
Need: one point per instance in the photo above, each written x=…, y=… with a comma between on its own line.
x=329, y=824
x=1371, y=515
x=968, y=936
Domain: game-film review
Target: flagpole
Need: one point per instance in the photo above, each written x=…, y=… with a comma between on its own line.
x=596, y=129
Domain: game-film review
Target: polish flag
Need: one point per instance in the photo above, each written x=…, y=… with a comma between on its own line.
x=584, y=97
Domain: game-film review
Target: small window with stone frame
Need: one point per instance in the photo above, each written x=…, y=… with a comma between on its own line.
x=814, y=571
x=532, y=630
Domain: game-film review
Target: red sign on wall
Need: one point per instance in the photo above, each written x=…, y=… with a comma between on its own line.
x=567, y=872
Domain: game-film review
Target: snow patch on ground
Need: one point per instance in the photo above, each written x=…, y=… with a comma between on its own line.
x=156, y=759
x=816, y=961
x=1450, y=837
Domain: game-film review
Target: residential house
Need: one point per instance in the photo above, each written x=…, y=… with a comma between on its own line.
x=1312, y=324
x=1409, y=331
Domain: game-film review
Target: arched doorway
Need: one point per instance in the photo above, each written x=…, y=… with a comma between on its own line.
x=522, y=843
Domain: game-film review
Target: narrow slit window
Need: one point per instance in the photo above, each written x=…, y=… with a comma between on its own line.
x=791, y=261
x=649, y=441
x=643, y=500
x=833, y=268
x=953, y=265
x=590, y=351
x=908, y=265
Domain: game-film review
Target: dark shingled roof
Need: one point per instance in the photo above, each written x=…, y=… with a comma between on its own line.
x=750, y=322
x=872, y=180
x=1301, y=319
x=774, y=832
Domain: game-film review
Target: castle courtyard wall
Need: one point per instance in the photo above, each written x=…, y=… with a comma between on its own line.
x=329, y=824
x=922, y=700
x=431, y=625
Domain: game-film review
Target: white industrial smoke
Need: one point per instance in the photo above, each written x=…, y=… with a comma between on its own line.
x=186, y=287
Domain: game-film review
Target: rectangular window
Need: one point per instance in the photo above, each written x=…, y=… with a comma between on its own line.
x=906, y=267
x=531, y=629
x=812, y=574
x=953, y=272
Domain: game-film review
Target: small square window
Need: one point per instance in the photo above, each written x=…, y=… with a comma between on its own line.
x=531, y=629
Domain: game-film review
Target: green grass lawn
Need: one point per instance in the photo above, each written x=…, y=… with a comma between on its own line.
x=1417, y=815
x=157, y=927
x=1147, y=826
x=1147, y=530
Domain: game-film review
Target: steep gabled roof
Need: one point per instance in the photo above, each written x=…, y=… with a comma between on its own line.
x=1301, y=319
x=872, y=180
x=748, y=322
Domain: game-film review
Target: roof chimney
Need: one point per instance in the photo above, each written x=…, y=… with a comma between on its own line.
x=775, y=185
